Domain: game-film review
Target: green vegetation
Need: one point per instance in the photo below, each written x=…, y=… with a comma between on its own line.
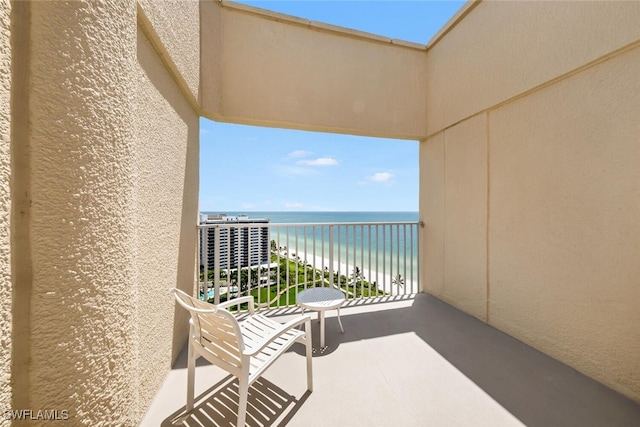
x=279, y=285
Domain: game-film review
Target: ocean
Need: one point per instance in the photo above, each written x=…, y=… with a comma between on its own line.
x=314, y=217
x=375, y=250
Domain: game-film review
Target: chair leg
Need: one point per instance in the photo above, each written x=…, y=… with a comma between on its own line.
x=242, y=402
x=191, y=373
x=309, y=346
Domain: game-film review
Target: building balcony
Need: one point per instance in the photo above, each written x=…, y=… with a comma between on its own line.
x=526, y=113
x=410, y=361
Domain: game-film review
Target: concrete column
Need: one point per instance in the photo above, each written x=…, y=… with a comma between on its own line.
x=82, y=312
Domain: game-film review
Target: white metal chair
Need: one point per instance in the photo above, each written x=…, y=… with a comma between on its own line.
x=244, y=349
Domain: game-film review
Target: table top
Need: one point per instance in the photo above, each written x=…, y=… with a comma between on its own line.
x=320, y=298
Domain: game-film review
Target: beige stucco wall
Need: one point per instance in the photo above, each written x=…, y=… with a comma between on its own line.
x=477, y=66
x=432, y=214
x=5, y=206
x=533, y=124
x=176, y=24
x=278, y=71
x=565, y=235
x=453, y=206
x=83, y=307
x=112, y=172
x=211, y=41
x=465, y=216
x=166, y=213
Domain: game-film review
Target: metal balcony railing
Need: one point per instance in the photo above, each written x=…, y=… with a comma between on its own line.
x=273, y=262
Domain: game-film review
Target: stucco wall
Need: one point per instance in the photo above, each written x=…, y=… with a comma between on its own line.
x=278, y=71
x=5, y=207
x=166, y=212
x=533, y=124
x=210, y=55
x=503, y=49
x=83, y=307
x=113, y=163
x=432, y=214
x=98, y=205
x=565, y=235
x=465, y=216
x=453, y=206
x=177, y=25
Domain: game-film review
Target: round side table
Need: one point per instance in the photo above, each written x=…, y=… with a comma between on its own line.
x=321, y=300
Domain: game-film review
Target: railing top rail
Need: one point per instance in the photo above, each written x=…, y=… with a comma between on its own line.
x=303, y=224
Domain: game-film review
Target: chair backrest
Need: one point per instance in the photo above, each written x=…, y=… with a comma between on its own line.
x=215, y=330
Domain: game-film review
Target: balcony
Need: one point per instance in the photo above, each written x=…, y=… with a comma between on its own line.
x=528, y=187
x=405, y=358
x=407, y=361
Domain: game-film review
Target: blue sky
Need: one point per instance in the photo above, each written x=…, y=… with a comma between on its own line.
x=267, y=169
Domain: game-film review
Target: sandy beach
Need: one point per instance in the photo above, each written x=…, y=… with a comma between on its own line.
x=383, y=279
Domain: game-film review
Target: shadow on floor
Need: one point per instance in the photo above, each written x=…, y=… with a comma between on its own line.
x=218, y=406
x=535, y=388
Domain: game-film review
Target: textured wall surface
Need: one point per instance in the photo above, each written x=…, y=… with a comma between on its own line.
x=115, y=171
x=83, y=312
x=177, y=24
x=5, y=207
x=211, y=65
x=531, y=170
x=565, y=235
x=432, y=213
x=166, y=212
x=528, y=43
x=465, y=216
x=275, y=72
x=453, y=205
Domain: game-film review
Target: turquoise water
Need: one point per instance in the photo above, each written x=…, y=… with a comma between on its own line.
x=309, y=217
x=382, y=249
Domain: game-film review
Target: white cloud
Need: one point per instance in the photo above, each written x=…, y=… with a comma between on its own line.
x=299, y=153
x=380, y=177
x=320, y=161
x=249, y=206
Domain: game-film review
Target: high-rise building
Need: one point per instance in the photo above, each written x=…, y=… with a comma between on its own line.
x=239, y=241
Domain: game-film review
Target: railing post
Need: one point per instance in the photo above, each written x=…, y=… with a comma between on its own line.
x=216, y=267
x=204, y=257
x=331, y=255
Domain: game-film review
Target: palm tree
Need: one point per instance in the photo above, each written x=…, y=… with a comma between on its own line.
x=357, y=275
x=398, y=280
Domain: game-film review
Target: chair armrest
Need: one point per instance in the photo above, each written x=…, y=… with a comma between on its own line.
x=237, y=301
x=306, y=319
